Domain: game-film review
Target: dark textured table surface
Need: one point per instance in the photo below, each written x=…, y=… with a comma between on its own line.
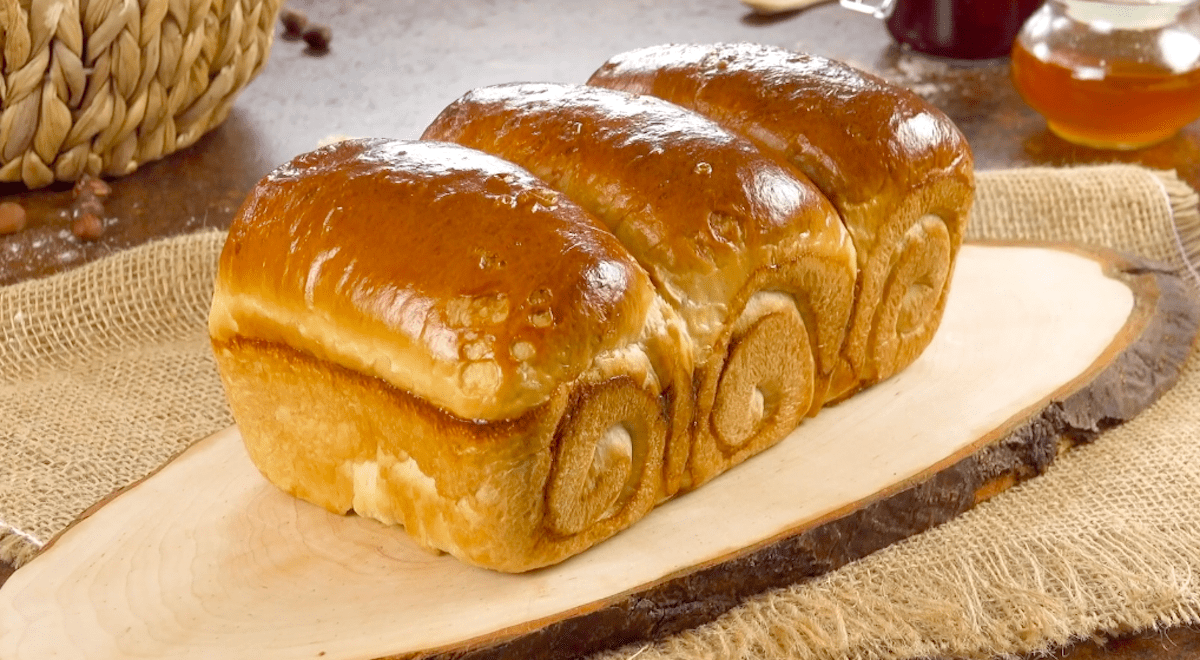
x=394, y=64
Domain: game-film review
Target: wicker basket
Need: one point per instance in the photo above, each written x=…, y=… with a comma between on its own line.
x=99, y=87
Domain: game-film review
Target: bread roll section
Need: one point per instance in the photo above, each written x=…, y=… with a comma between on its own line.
x=430, y=336
x=745, y=250
x=898, y=171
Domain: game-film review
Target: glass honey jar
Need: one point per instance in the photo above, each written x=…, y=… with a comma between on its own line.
x=1111, y=74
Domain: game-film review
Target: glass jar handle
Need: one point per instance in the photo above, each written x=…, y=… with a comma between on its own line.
x=882, y=11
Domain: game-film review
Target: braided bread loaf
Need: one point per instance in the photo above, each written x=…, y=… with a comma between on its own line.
x=519, y=344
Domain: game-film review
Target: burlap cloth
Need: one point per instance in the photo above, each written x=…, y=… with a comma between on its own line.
x=105, y=373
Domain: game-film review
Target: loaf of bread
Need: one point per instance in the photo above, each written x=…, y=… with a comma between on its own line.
x=746, y=250
x=567, y=303
x=429, y=335
x=897, y=169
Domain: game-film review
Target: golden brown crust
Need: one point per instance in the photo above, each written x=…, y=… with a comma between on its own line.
x=362, y=283
x=887, y=160
x=857, y=136
x=699, y=207
x=711, y=218
x=446, y=272
x=488, y=492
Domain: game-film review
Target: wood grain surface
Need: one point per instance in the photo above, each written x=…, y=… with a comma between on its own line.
x=201, y=555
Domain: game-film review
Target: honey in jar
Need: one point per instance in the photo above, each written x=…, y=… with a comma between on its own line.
x=1111, y=74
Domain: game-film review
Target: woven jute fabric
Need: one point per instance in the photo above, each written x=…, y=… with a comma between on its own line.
x=102, y=86
x=106, y=372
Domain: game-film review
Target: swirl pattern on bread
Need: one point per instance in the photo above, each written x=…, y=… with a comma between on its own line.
x=745, y=249
x=429, y=335
x=897, y=169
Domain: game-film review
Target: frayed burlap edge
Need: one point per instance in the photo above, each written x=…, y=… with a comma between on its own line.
x=16, y=548
x=1185, y=210
x=65, y=338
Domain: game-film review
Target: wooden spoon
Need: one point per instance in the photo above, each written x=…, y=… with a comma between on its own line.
x=781, y=6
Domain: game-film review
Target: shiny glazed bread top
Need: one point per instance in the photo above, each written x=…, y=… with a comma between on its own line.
x=700, y=208
x=854, y=134
x=446, y=272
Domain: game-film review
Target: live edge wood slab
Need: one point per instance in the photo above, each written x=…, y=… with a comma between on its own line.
x=1042, y=347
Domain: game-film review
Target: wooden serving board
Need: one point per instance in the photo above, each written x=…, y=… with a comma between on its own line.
x=204, y=559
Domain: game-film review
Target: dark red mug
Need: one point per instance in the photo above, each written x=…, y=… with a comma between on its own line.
x=961, y=29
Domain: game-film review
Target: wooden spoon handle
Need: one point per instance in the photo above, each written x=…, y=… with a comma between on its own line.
x=780, y=6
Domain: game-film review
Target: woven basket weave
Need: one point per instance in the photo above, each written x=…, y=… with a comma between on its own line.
x=99, y=87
